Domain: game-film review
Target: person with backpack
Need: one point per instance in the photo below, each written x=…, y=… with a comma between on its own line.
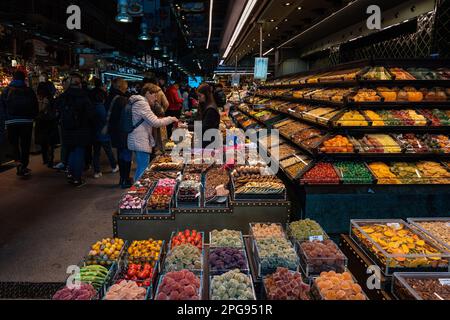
x=139, y=121
x=115, y=105
x=21, y=107
x=46, y=131
x=102, y=138
x=78, y=124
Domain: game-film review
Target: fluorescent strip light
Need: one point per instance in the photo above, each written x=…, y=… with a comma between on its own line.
x=211, y=6
x=322, y=21
x=248, y=9
x=265, y=54
x=221, y=62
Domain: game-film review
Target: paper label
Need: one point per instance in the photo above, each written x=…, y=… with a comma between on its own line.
x=448, y=224
x=445, y=282
x=394, y=225
x=316, y=238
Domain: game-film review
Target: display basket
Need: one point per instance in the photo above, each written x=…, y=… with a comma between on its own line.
x=312, y=267
x=213, y=244
x=417, y=223
x=247, y=274
x=245, y=269
x=265, y=266
x=402, y=290
x=398, y=262
x=199, y=275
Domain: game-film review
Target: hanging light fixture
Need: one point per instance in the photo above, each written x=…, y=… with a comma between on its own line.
x=165, y=54
x=156, y=46
x=144, y=36
x=171, y=58
x=122, y=12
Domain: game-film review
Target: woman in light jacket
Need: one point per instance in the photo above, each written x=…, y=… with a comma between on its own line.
x=141, y=140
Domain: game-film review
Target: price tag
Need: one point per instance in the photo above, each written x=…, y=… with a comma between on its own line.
x=448, y=224
x=394, y=225
x=418, y=173
x=316, y=238
x=445, y=282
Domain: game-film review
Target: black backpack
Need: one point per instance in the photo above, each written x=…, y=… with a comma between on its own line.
x=126, y=119
x=70, y=115
x=18, y=102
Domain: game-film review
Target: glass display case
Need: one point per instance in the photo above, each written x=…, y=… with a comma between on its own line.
x=437, y=229
x=421, y=286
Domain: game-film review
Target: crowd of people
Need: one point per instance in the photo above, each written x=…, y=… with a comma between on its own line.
x=83, y=121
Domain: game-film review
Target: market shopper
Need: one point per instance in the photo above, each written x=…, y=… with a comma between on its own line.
x=44, y=79
x=77, y=122
x=21, y=107
x=102, y=138
x=175, y=104
x=62, y=165
x=46, y=130
x=115, y=104
x=220, y=96
x=208, y=112
x=141, y=140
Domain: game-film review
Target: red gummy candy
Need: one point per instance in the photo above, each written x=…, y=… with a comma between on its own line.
x=161, y=296
x=190, y=290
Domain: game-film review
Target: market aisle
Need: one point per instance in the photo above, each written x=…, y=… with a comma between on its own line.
x=46, y=225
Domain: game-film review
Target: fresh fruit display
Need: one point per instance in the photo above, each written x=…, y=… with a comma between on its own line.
x=142, y=274
x=226, y=238
x=192, y=237
x=377, y=73
x=407, y=173
x=383, y=173
x=397, y=246
x=438, y=143
x=185, y=256
x=401, y=74
x=284, y=284
x=306, y=230
x=226, y=259
x=354, y=172
x=379, y=143
x=338, y=286
x=318, y=256
x=275, y=252
x=352, y=119
x=233, y=285
x=440, y=230
x=126, y=290
x=321, y=173
x=84, y=292
x=412, y=143
x=131, y=202
x=422, y=288
x=433, y=172
x=94, y=275
x=146, y=251
x=376, y=120
x=337, y=144
x=105, y=252
x=266, y=230
x=179, y=285
x=366, y=95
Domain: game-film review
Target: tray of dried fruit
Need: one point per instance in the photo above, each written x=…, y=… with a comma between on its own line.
x=421, y=286
x=232, y=285
x=162, y=198
x=337, y=286
x=338, y=145
x=296, y=165
x=438, y=229
x=180, y=285
x=321, y=115
x=396, y=247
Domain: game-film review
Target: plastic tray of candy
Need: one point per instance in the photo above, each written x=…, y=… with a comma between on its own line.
x=198, y=274
x=221, y=271
x=317, y=294
x=128, y=210
x=188, y=203
x=416, y=222
x=401, y=290
x=120, y=277
x=211, y=280
x=263, y=265
x=398, y=262
x=160, y=211
x=312, y=267
x=264, y=283
x=320, y=237
x=253, y=236
x=216, y=246
x=174, y=233
x=107, y=263
x=123, y=263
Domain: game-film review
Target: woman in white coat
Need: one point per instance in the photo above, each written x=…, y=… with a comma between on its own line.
x=141, y=140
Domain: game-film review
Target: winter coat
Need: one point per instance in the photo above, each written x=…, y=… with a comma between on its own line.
x=20, y=103
x=119, y=139
x=175, y=101
x=100, y=123
x=46, y=129
x=141, y=139
x=77, y=133
x=210, y=120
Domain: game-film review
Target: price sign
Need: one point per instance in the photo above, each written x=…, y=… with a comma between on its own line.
x=445, y=282
x=316, y=238
x=395, y=225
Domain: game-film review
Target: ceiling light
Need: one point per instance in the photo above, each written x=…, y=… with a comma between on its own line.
x=165, y=54
x=286, y=20
x=144, y=36
x=122, y=12
x=299, y=8
x=156, y=46
x=287, y=4
x=242, y=21
x=272, y=20
x=265, y=54
x=276, y=28
x=211, y=7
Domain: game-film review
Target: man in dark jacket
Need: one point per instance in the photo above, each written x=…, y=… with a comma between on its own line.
x=115, y=103
x=78, y=125
x=219, y=96
x=21, y=108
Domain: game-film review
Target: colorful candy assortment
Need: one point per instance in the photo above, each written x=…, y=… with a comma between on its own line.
x=284, y=284
x=179, y=285
x=233, y=285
